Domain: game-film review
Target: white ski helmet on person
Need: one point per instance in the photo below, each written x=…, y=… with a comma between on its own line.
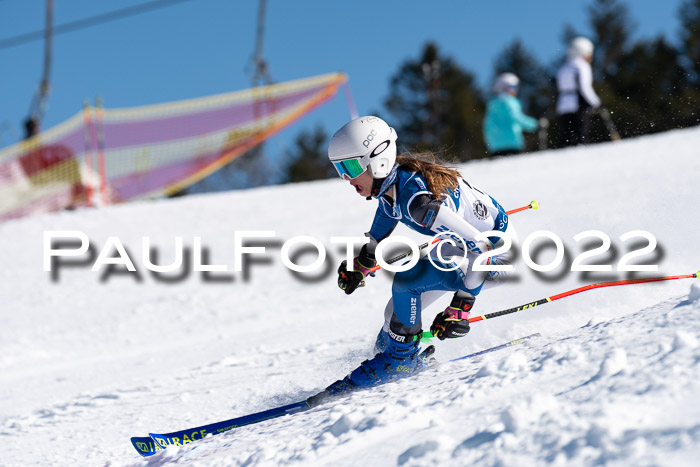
x=581, y=47
x=505, y=81
x=362, y=143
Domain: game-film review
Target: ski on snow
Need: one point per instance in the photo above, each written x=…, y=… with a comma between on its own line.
x=149, y=445
x=152, y=444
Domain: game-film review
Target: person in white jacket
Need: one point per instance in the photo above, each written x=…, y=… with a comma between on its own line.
x=577, y=98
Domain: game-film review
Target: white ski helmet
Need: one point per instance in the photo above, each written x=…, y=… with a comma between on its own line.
x=505, y=81
x=581, y=47
x=361, y=143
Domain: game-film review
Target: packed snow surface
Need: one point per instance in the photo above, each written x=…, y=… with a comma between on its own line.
x=89, y=359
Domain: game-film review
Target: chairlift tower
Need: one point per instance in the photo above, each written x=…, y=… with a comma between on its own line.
x=32, y=124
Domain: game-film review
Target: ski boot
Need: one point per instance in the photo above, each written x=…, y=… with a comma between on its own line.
x=382, y=341
x=399, y=359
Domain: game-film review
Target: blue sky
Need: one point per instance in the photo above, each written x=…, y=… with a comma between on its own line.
x=203, y=47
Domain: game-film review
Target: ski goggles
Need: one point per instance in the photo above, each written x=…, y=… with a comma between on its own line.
x=350, y=168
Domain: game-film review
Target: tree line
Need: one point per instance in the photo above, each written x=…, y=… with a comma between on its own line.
x=435, y=103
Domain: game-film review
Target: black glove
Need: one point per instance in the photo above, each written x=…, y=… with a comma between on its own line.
x=355, y=277
x=454, y=321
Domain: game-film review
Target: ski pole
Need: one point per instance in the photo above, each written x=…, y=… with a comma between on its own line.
x=533, y=205
x=609, y=125
x=403, y=255
x=542, y=133
x=568, y=293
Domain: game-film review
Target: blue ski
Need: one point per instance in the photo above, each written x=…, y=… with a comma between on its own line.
x=147, y=446
x=152, y=444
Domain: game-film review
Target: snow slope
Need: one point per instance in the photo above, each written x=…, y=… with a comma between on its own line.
x=88, y=360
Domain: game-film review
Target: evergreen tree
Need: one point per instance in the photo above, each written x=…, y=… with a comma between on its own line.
x=611, y=23
x=536, y=85
x=308, y=158
x=689, y=15
x=690, y=37
x=567, y=35
x=650, y=90
x=537, y=88
x=436, y=106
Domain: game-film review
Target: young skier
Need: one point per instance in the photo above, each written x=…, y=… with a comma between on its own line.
x=429, y=198
x=505, y=121
x=577, y=98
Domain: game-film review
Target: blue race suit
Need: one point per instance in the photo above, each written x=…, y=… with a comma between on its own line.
x=466, y=211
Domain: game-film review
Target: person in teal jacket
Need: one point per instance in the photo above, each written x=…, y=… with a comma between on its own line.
x=505, y=121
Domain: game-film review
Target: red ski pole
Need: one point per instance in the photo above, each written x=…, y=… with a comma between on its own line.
x=569, y=293
x=427, y=335
x=533, y=205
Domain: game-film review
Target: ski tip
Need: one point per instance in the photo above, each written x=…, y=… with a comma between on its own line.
x=534, y=204
x=145, y=446
x=697, y=275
